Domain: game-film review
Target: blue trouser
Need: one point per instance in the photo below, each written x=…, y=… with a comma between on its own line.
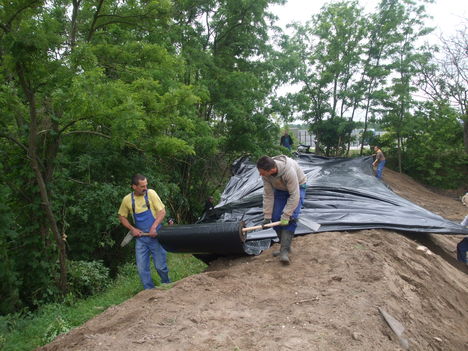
x=147, y=246
x=281, y=198
x=380, y=167
x=144, y=248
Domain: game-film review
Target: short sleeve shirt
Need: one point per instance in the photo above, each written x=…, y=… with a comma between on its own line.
x=380, y=156
x=140, y=204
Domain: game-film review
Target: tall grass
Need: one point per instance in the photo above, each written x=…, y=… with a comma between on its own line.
x=27, y=331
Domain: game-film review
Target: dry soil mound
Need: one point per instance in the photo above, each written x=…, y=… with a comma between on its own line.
x=327, y=299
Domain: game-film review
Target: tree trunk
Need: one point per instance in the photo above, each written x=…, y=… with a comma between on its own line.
x=36, y=166
x=74, y=25
x=366, y=116
x=399, y=153
x=465, y=132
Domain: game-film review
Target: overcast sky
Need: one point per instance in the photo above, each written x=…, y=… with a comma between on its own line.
x=448, y=14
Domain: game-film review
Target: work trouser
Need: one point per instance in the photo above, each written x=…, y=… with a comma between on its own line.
x=145, y=248
x=379, y=170
x=281, y=198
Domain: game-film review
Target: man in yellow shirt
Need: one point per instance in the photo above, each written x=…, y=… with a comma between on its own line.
x=148, y=213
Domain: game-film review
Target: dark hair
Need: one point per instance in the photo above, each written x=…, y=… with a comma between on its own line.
x=266, y=163
x=136, y=179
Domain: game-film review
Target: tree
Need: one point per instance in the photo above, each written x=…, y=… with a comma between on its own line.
x=406, y=54
x=447, y=78
x=433, y=148
x=97, y=90
x=322, y=56
x=382, y=27
x=59, y=82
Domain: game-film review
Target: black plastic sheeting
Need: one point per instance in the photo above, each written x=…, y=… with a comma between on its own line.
x=343, y=194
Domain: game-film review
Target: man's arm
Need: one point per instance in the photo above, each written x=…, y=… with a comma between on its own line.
x=377, y=158
x=126, y=223
x=292, y=182
x=268, y=199
x=157, y=221
x=158, y=209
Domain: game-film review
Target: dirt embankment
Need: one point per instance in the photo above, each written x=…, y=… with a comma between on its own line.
x=327, y=299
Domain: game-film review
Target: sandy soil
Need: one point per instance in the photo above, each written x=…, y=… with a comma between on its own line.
x=327, y=299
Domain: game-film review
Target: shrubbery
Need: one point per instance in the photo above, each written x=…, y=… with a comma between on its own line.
x=87, y=278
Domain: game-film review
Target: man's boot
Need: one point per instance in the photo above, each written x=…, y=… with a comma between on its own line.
x=286, y=239
x=277, y=252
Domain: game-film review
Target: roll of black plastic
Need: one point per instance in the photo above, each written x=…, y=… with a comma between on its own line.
x=205, y=238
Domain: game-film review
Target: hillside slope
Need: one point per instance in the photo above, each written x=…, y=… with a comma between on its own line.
x=327, y=299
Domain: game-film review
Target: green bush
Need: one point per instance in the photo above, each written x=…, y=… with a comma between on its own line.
x=87, y=278
x=57, y=327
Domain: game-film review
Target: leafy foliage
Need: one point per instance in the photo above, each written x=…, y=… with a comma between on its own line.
x=334, y=135
x=57, y=327
x=9, y=289
x=87, y=278
x=95, y=92
x=434, y=150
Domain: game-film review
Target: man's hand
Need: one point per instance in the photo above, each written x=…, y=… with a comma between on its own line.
x=136, y=232
x=265, y=222
x=284, y=222
x=153, y=233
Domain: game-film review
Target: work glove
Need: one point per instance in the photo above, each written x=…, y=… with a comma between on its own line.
x=284, y=222
x=266, y=221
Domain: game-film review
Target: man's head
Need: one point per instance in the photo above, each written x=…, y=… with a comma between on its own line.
x=285, y=132
x=376, y=148
x=139, y=184
x=266, y=166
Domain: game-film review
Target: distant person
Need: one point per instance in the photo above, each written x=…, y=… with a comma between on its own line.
x=464, y=199
x=462, y=250
x=286, y=141
x=379, y=162
x=148, y=212
x=284, y=186
x=170, y=221
x=209, y=204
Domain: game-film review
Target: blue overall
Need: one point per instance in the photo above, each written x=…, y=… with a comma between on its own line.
x=281, y=198
x=380, y=167
x=147, y=246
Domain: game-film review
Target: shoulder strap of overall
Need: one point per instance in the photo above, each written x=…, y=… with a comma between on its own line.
x=133, y=207
x=146, y=200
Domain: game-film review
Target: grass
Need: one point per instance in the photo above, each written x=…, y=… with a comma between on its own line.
x=27, y=331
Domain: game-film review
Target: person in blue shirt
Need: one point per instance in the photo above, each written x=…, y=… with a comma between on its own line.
x=286, y=141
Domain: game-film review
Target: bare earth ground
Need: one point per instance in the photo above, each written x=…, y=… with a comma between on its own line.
x=327, y=299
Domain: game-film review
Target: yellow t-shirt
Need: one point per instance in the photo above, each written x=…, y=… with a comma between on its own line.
x=140, y=204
